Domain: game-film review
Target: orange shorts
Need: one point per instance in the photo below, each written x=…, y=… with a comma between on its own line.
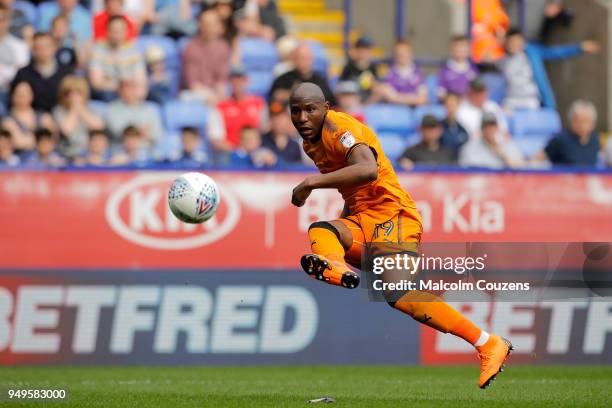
x=400, y=230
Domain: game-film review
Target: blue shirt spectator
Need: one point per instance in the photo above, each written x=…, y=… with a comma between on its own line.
x=7, y=152
x=579, y=145
x=191, y=154
x=44, y=155
x=453, y=134
x=80, y=18
x=250, y=153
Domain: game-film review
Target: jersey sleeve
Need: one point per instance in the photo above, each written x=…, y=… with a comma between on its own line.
x=345, y=139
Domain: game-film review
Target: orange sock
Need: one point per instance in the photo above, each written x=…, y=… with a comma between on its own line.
x=325, y=242
x=434, y=312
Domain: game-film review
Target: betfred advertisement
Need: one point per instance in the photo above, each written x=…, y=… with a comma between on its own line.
x=122, y=220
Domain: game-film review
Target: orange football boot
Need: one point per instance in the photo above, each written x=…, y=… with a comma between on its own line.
x=330, y=271
x=492, y=356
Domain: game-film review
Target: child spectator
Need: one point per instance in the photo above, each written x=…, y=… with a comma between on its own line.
x=160, y=86
x=457, y=72
x=281, y=139
x=405, y=82
x=113, y=8
x=97, y=153
x=494, y=150
x=22, y=119
x=361, y=69
x=428, y=151
x=45, y=154
x=73, y=116
x=7, y=153
x=192, y=154
x=250, y=152
x=113, y=60
x=453, y=134
x=133, y=149
x=348, y=99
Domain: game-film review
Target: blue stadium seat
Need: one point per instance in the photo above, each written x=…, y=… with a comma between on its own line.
x=258, y=54
x=390, y=118
x=532, y=129
x=99, y=107
x=438, y=111
x=169, y=145
x=393, y=144
x=496, y=84
x=27, y=8
x=432, y=88
x=260, y=82
x=182, y=43
x=178, y=114
x=171, y=51
x=321, y=62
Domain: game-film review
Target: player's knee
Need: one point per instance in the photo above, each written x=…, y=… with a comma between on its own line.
x=344, y=236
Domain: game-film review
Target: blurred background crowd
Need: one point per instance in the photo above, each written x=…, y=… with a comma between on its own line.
x=206, y=83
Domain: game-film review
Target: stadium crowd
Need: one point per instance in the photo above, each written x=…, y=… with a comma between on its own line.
x=95, y=83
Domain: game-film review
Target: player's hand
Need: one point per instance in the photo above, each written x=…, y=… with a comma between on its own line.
x=301, y=193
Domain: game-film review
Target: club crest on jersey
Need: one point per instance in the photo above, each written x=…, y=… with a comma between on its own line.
x=347, y=139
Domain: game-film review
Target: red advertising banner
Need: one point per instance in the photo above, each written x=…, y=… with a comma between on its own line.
x=122, y=220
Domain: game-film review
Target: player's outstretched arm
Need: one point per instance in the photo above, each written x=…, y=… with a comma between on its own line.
x=361, y=169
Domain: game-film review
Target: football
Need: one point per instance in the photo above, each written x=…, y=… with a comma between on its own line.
x=194, y=198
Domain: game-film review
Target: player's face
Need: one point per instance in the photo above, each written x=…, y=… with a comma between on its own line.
x=308, y=116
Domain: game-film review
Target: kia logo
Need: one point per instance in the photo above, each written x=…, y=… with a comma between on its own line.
x=139, y=213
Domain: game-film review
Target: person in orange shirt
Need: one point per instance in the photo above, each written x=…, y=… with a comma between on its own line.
x=489, y=25
x=377, y=210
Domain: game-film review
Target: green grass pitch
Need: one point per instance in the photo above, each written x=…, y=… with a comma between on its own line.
x=352, y=386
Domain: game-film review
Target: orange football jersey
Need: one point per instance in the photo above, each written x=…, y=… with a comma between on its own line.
x=341, y=133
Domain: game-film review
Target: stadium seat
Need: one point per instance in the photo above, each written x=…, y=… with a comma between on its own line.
x=496, y=84
x=393, y=144
x=178, y=114
x=170, y=145
x=321, y=62
x=99, y=107
x=532, y=129
x=27, y=8
x=390, y=118
x=432, y=88
x=171, y=50
x=436, y=110
x=182, y=43
x=260, y=82
x=258, y=54
x=51, y=8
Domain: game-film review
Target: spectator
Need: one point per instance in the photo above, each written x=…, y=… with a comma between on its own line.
x=361, y=69
x=45, y=154
x=160, y=82
x=131, y=109
x=22, y=120
x=428, y=151
x=19, y=25
x=303, y=61
x=192, y=154
x=206, y=60
x=14, y=53
x=97, y=153
x=493, y=150
x=270, y=17
x=133, y=149
x=457, y=72
x=113, y=60
x=405, y=82
x=241, y=109
x=249, y=26
x=453, y=134
x=579, y=145
x=250, y=152
x=523, y=67
x=348, y=99
x=285, y=47
x=78, y=16
x=113, y=8
x=68, y=53
x=489, y=24
x=43, y=73
x=173, y=17
x=7, y=152
x=281, y=139
x=73, y=117
x=225, y=11
x=469, y=114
